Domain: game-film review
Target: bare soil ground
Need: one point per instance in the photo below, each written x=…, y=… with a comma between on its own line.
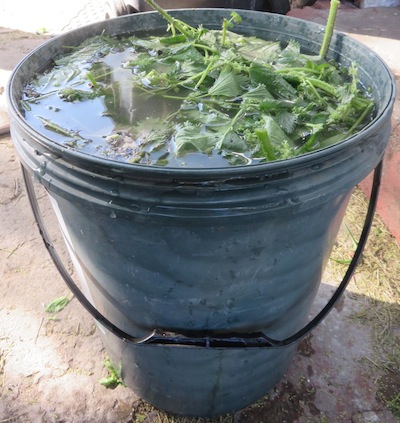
x=348, y=370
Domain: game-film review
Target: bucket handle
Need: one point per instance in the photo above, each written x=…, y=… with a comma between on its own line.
x=208, y=339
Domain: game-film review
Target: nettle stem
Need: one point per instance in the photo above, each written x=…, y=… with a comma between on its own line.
x=182, y=27
x=225, y=24
x=333, y=11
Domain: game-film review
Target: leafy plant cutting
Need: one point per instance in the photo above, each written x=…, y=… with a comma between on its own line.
x=114, y=376
x=207, y=98
x=57, y=304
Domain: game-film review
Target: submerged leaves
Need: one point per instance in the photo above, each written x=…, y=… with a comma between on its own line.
x=244, y=99
x=191, y=139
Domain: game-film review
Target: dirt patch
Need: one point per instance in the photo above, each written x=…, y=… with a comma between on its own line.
x=286, y=405
x=389, y=391
x=15, y=43
x=305, y=346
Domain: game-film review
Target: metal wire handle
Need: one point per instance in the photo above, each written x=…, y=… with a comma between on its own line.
x=208, y=339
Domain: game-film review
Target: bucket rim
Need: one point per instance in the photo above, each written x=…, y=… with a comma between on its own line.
x=118, y=167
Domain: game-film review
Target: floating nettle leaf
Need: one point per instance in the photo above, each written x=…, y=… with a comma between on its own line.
x=191, y=139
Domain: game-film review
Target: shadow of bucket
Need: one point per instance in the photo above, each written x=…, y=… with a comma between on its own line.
x=200, y=270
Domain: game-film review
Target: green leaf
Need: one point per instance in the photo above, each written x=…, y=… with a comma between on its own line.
x=259, y=93
x=57, y=305
x=150, y=44
x=287, y=121
x=333, y=139
x=273, y=105
x=200, y=114
x=152, y=131
x=232, y=142
x=227, y=84
x=70, y=94
x=182, y=53
x=274, y=82
x=216, y=121
x=258, y=50
x=276, y=134
x=236, y=18
x=173, y=40
x=192, y=139
x=210, y=37
x=291, y=56
x=114, y=376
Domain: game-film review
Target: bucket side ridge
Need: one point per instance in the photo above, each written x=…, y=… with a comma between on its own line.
x=302, y=183
x=221, y=273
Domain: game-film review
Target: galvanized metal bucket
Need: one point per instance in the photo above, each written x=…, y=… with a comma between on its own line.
x=202, y=280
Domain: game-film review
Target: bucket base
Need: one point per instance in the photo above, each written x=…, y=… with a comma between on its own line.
x=197, y=381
